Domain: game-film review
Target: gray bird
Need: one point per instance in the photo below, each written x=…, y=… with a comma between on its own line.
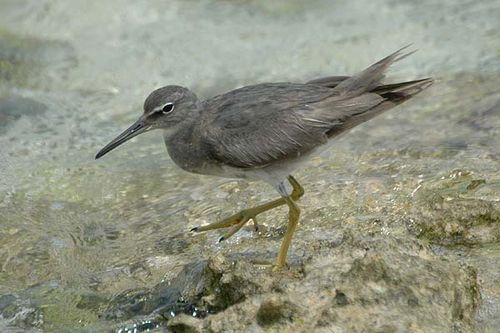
x=265, y=131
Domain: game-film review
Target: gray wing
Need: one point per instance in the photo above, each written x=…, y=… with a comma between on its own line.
x=257, y=125
x=274, y=124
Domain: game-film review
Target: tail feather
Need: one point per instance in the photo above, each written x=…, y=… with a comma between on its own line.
x=401, y=86
x=393, y=95
x=399, y=92
x=371, y=77
x=361, y=97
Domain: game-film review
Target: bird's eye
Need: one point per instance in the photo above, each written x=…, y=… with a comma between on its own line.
x=167, y=108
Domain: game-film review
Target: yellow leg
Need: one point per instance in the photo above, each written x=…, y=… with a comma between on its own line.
x=298, y=190
x=251, y=213
x=255, y=224
x=238, y=220
x=235, y=228
x=242, y=217
x=293, y=220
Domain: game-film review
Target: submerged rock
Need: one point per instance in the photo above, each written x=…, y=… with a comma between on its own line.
x=17, y=313
x=24, y=59
x=14, y=107
x=459, y=209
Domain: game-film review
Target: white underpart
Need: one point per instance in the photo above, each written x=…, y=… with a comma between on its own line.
x=276, y=174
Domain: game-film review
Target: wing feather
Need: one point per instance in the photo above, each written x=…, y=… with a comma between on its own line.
x=258, y=125
x=256, y=133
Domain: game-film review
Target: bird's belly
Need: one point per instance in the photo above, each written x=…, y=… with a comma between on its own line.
x=195, y=161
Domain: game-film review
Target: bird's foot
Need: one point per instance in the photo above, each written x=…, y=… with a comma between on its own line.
x=278, y=265
x=236, y=222
x=269, y=264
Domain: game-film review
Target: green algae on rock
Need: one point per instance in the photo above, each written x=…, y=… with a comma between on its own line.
x=461, y=208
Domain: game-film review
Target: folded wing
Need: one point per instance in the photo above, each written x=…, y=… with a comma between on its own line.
x=257, y=125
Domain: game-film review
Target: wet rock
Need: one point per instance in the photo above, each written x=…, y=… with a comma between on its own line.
x=150, y=325
x=7, y=304
x=19, y=313
x=168, y=298
x=91, y=302
x=184, y=324
x=377, y=278
x=361, y=285
x=457, y=209
x=275, y=311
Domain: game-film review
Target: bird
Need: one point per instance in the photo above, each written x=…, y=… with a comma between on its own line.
x=266, y=131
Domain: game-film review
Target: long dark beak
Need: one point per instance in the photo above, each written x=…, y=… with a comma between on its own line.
x=137, y=128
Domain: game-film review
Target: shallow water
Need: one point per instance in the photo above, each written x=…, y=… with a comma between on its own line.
x=75, y=232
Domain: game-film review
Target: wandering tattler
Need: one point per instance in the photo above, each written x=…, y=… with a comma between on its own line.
x=264, y=131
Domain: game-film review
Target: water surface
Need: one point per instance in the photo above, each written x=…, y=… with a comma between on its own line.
x=75, y=232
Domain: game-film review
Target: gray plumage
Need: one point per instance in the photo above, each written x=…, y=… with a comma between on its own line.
x=265, y=131
x=259, y=125
x=249, y=131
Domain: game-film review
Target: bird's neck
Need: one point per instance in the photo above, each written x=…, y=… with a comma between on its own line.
x=184, y=129
x=170, y=134
x=185, y=149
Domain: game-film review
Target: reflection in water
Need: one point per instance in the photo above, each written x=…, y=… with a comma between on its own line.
x=76, y=233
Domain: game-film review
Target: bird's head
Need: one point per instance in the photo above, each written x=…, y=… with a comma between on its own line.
x=165, y=108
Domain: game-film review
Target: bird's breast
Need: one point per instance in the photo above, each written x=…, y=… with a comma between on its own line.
x=187, y=152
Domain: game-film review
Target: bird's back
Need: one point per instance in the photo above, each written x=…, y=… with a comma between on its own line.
x=258, y=125
x=255, y=105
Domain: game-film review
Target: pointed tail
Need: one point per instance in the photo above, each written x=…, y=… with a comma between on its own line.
x=371, y=77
